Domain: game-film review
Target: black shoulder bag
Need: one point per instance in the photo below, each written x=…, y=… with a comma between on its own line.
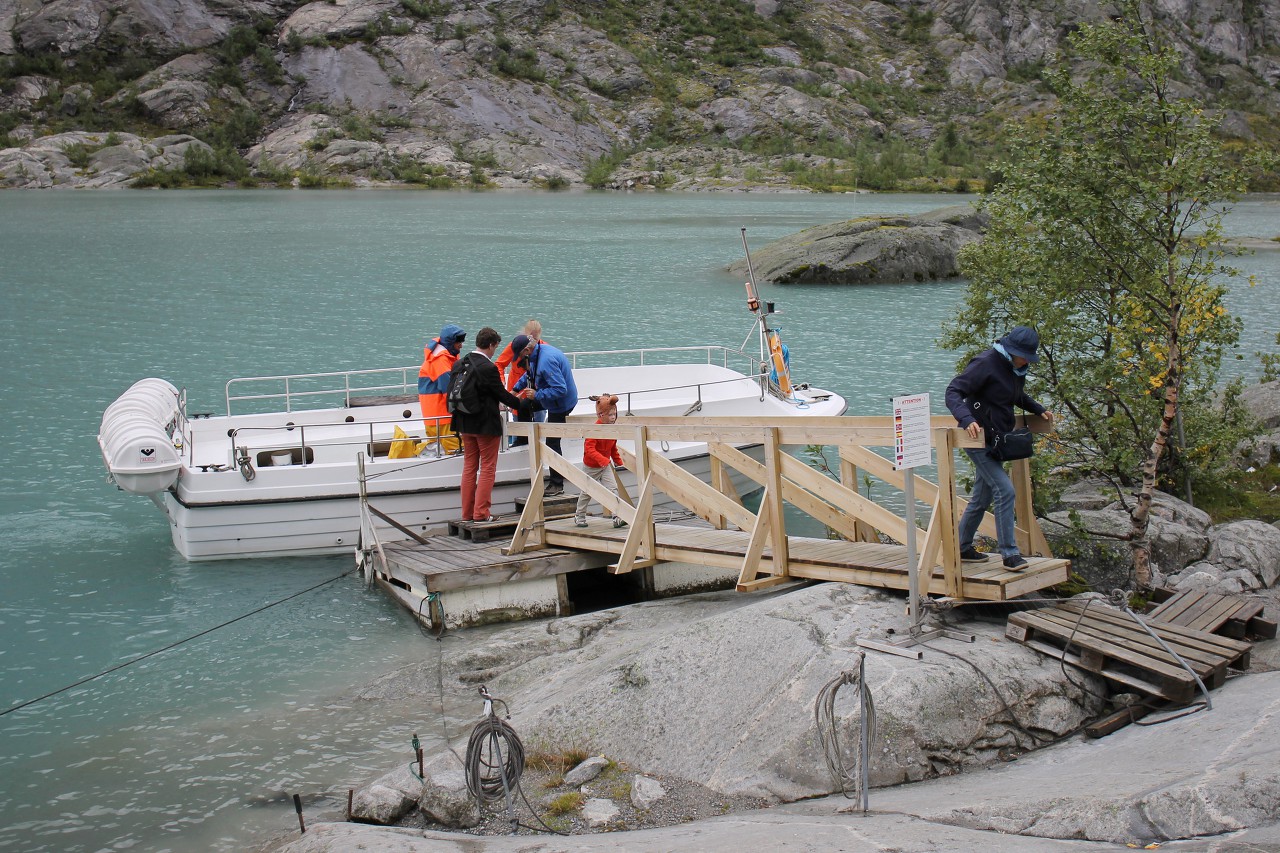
x=1004, y=446
x=1009, y=446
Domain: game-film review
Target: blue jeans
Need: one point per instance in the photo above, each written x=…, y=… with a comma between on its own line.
x=990, y=485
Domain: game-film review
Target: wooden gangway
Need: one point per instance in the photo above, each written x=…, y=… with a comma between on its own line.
x=756, y=543
x=865, y=563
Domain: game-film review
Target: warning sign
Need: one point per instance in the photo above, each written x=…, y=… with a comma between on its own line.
x=912, y=439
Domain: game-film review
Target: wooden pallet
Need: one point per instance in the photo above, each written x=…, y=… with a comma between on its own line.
x=1108, y=642
x=1229, y=615
x=505, y=525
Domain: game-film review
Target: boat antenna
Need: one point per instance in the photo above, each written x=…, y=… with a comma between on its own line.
x=768, y=337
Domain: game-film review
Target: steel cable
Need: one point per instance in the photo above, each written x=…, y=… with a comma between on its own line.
x=852, y=781
x=494, y=761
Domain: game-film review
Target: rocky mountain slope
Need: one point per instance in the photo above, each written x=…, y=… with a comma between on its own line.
x=769, y=93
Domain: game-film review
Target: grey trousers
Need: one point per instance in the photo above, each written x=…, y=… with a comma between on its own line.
x=603, y=476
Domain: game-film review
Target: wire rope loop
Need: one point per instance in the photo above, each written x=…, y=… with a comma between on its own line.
x=852, y=780
x=494, y=761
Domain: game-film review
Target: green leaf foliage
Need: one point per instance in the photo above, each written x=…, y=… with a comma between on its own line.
x=1105, y=235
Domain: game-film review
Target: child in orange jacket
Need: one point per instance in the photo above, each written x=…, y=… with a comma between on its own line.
x=599, y=455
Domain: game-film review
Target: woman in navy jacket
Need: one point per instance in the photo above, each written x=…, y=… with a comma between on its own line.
x=982, y=398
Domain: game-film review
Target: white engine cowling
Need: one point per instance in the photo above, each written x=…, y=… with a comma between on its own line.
x=135, y=437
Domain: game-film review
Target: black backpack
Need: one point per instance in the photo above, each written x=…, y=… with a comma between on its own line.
x=462, y=397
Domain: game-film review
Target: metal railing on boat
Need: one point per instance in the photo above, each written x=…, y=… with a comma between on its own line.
x=347, y=383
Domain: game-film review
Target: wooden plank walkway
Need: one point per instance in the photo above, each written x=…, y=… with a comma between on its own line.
x=1108, y=642
x=448, y=563
x=866, y=563
x=1229, y=615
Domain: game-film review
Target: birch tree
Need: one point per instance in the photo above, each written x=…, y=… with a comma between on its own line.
x=1106, y=236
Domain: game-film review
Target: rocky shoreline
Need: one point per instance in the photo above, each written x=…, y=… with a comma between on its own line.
x=991, y=762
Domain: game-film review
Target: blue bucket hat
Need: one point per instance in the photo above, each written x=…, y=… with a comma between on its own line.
x=1022, y=341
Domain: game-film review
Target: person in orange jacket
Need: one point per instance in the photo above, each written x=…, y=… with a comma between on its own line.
x=599, y=455
x=438, y=358
x=510, y=358
x=532, y=329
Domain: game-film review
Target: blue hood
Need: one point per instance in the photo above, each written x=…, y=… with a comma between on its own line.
x=452, y=334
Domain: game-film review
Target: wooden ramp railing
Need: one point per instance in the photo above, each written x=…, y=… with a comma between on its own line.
x=766, y=560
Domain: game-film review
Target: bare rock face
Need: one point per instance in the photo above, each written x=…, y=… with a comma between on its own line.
x=340, y=19
x=1263, y=402
x=1250, y=545
x=344, y=77
x=538, y=93
x=1187, y=550
x=63, y=26
x=634, y=692
x=25, y=91
x=93, y=160
x=8, y=14
x=388, y=799
x=178, y=102
x=169, y=26
x=67, y=26
x=870, y=249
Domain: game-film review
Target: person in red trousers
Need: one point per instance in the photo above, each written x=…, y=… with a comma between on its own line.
x=481, y=431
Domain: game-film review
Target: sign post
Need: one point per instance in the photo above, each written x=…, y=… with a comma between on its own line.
x=912, y=448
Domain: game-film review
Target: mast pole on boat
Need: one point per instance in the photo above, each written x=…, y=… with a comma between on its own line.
x=770, y=341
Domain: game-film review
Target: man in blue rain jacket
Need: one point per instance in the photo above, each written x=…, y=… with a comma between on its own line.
x=548, y=379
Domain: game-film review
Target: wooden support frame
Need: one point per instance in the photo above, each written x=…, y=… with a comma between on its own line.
x=722, y=483
x=945, y=517
x=638, y=551
x=837, y=504
x=530, y=529
x=862, y=532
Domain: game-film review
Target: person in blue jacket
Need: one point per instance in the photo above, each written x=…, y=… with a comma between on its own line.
x=548, y=379
x=982, y=398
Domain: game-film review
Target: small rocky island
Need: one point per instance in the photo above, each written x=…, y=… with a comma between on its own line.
x=871, y=250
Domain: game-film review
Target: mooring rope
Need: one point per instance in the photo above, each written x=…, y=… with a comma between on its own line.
x=174, y=645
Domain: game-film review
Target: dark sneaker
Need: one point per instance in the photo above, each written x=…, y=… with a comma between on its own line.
x=553, y=489
x=1015, y=562
x=972, y=555
x=618, y=522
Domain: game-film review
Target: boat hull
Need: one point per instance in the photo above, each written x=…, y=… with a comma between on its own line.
x=330, y=524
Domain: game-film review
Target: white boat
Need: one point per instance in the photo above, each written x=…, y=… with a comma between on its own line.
x=280, y=473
